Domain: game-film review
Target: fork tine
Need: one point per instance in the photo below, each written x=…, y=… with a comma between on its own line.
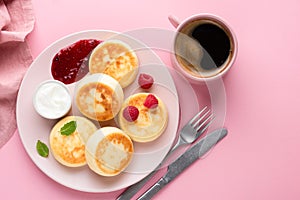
x=196, y=116
x=206, y=123
x=201, y=118
x=201, y=130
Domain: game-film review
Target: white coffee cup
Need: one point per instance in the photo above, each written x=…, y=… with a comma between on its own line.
x=186, y=48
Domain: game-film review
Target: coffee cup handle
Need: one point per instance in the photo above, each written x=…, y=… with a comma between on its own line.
x=174, y=21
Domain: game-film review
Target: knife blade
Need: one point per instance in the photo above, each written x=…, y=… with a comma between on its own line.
x=185, y=160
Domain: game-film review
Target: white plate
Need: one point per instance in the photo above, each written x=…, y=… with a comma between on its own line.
x=147, y=156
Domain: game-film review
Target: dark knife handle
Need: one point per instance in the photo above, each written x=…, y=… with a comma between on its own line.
x=154, y=189
x=132, y=190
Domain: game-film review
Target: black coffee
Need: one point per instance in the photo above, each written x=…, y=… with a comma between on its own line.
x=215, y=42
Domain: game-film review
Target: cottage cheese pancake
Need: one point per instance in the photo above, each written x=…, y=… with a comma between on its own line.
x=69, y=150
x=109, y=151
x=116, y=59
x=99, y=97
x=150, y=123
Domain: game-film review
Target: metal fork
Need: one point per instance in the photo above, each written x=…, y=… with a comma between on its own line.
x=193, y=129
x=188, y=134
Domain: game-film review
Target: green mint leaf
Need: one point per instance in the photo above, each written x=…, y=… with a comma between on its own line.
x=68, y=128
x=42, y=149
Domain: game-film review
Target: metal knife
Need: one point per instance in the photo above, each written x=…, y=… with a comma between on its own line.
x=185, y=160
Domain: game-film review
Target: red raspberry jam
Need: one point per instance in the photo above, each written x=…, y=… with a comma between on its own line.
x=70, y=64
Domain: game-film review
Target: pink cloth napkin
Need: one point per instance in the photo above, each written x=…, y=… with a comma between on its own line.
x=16, y=21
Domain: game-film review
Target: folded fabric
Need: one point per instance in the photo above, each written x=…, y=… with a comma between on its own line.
x=16, y=22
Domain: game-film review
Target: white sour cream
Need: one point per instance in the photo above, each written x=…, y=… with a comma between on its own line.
x=52, y=99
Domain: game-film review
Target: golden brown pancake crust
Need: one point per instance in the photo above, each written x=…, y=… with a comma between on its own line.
x=97, y=101
x=114, y=138
x=116, y=59
x=150, y=123
x=71, y=153
x=69, y=150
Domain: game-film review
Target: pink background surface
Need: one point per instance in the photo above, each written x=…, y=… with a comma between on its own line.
x=259, y=159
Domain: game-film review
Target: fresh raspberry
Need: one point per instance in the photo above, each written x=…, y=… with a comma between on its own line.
x=145, y=81
x=131, y=113
x=151, y=101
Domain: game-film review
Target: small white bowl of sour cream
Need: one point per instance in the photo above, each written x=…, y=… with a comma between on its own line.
x=52, y=99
